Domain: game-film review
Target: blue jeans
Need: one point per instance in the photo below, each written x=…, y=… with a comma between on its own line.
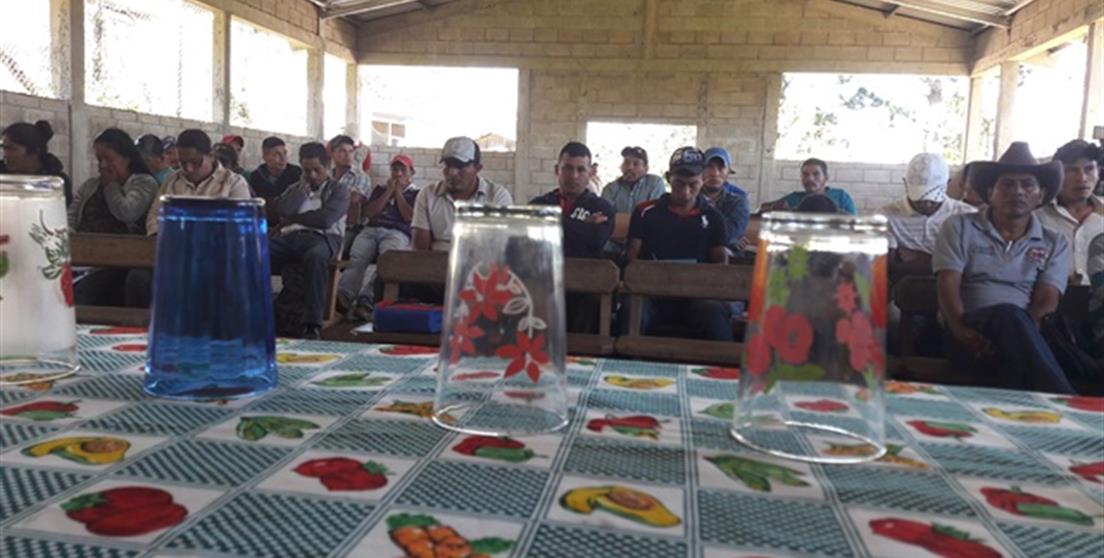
x=706, y=319
x=1021, y=358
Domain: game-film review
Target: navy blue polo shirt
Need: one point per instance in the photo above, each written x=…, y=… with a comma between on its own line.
x=581, y=239
x=666, y=235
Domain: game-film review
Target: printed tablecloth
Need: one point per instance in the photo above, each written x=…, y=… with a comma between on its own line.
x=341, y=461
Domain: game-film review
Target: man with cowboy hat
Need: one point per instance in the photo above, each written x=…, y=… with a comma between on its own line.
x=999, y=271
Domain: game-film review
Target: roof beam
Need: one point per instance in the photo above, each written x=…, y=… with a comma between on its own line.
x=1019, y=6
x=892, y=10
x=353, y=8
x=954, y=12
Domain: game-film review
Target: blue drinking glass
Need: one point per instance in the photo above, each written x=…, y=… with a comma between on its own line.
x=211, y=330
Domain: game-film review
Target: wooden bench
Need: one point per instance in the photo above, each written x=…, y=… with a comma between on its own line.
x=132, y=251
x=398, y=268
x=646, y=279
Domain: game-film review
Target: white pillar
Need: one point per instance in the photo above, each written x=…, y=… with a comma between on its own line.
x=80, y=169
x=352, y=106
x=1092, y=109
x=220, y=69
x=315, y=77
x=1006, y=105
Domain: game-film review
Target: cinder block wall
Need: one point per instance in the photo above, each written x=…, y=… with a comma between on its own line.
x=714, y=64
x=1036, y=24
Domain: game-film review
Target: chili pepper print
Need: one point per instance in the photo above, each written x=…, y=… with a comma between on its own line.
x=126, y=511
x=718, y=373
x=408, y=350
x=1017, y=502
x=43, y=411
x=1082, y=403
x=942, y=540
x=491, y=447
x=637, y=426
x=822, y=406
x=1092, y=472
x=956, y=430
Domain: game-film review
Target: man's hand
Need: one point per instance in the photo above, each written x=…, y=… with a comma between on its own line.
x=742, y=244
x=597, y=218
x=972, y=340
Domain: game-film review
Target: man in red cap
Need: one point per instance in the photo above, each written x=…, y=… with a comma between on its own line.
x=999, y=272
x=388, y=211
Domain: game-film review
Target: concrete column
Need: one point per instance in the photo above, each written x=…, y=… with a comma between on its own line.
x=220, y=69
x=1006, y=105
x=972, y=149
x=80, y=141
x=767, y=142
x=1092, y=111
x=315, y=82
x=352, y=106
x=60, y=38
x=521, y=152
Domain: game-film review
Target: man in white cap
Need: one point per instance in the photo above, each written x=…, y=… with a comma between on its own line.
x=435, y=206
x=915, y=220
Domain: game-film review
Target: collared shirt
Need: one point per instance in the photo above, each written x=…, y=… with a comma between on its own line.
x=996, y=271
x=435, y=208
x=625, y=197
x=222, y=183
x=1079, y=235
x=841, y=197
x=355, y=180
x=390, y=217
x=581, y=238
x=666, y=235
x=909, y=229
x=734, y=209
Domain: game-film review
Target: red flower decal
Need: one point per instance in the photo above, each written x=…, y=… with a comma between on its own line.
x=774, y=324
x=66, y=280
x=878, y=293
x=758, y=357
x=460, y=342
x=488, y=293
x=796, y=339
x=527, y=355
x=858, y=333
x=845, y=297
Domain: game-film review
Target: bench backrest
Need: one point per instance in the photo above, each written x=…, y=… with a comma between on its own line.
x=113, y=250
x=688, y=280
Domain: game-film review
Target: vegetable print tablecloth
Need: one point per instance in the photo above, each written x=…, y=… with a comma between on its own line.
x=341, y=460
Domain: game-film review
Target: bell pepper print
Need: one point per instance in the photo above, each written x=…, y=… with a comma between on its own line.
x=125, y=512
x=941, y=540
x=43, y=411
x=938, y=429
x=499, y=449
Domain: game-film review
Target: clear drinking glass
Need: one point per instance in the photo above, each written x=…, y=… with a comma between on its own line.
x=501, y=368
x=38, y=325
x=814, y=359
x=211, y=326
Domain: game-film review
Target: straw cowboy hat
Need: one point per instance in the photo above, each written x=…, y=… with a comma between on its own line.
x=1017, y=160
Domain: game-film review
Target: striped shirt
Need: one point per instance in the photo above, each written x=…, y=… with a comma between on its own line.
x=909, y=229
x=222, y=183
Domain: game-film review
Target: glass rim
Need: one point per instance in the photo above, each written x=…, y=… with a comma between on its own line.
x=214, y=202
x=42, y=183
x=469, y=209
x=826, y=221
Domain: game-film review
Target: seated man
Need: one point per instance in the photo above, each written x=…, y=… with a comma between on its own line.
x=634, y=187
x=1096, y=294
x=1000, y=271
x=435, y=205
x=271, y=178
x=312, y=213
x=199, y=175
x=1075, y=212
x=586, y=222
x=345, y=171
x=814, y=180
x=915, y=219
x=728, y=199
x=152, y=149
x=389, y=210
x=681, y=226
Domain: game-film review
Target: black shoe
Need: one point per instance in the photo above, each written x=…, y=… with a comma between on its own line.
x=312, y=332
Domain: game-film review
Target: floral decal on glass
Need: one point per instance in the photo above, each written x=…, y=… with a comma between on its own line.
x=489, y=302
x=55, y=242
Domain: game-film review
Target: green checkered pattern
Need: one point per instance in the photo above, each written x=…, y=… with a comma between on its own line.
x=249, y=511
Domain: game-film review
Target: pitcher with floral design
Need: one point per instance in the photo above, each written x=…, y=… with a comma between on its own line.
x=814, y=355
x=38, y=328
x=501, y=364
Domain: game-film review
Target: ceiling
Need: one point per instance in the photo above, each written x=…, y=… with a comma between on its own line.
x=969, y=15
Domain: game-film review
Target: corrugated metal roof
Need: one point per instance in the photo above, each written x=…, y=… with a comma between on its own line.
x=972, y=15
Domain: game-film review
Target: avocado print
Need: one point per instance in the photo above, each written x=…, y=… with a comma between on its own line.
x=756, y=475
x=252, y=429
x=621, y=501
x=86, y=450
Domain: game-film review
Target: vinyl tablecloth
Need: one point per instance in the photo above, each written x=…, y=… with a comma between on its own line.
x=341, y=461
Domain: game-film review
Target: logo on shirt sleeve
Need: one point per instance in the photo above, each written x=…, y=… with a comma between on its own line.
x=705, y=222
x=1038, y=256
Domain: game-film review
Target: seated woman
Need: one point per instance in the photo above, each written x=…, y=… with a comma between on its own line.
x=115, y=202
x=25, y=152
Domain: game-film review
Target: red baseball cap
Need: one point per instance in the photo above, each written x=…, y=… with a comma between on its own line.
x=231, y=138
x=404, y=160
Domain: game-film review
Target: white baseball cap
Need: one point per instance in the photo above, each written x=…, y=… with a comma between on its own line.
x=926, y=178
x=461, y=148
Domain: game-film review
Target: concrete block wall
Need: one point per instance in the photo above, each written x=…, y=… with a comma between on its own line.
x=872, y=186
x=716, y=65
x=15, y=107
x=1033, y=26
